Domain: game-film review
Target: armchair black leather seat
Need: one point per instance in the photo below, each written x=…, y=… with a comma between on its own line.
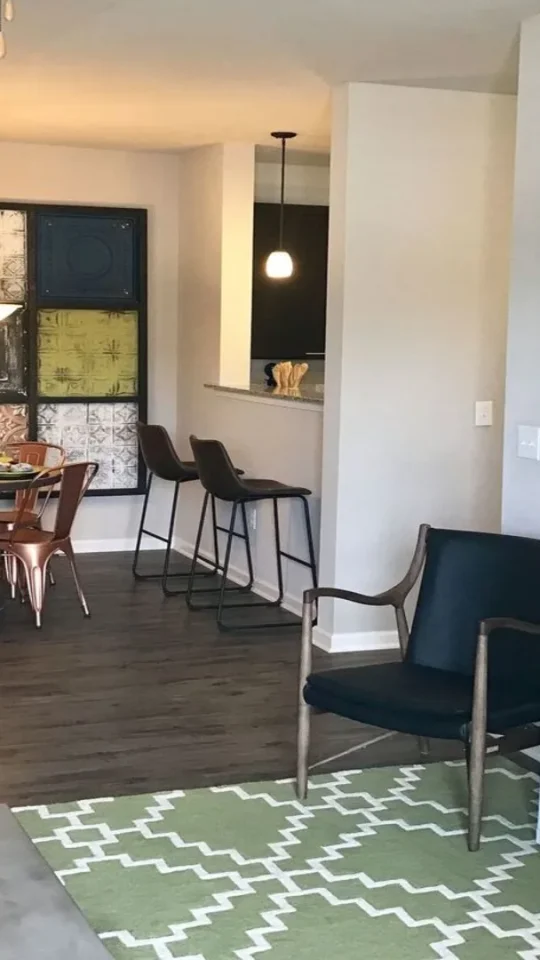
x=420, y=700
x=470, y=666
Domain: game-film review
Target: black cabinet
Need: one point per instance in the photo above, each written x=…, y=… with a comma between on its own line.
x=289, y=316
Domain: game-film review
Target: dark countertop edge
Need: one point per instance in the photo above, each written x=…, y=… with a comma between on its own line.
x=266, y=393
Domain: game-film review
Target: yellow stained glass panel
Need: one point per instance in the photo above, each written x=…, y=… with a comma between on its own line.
x=87, y=353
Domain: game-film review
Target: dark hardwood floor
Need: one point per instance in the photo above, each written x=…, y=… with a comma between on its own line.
x=146, y=696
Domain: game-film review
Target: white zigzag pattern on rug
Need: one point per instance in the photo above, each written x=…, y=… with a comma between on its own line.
x=451, y=934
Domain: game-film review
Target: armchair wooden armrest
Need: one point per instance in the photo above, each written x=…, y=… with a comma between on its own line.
x=395, y=597
x=386, y=599
x=507, y=623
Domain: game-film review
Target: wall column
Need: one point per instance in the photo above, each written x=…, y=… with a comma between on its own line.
x=420, y=200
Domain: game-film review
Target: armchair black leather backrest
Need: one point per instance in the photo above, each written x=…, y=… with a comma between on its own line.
x=469, y=577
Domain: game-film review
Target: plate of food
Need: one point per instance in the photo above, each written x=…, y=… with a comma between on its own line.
x=14, y=471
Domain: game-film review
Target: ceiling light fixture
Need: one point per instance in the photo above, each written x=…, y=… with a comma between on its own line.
x=279, y=264
x=7, y=13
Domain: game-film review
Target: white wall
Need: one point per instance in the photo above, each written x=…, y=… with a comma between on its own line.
x=305, y=183
x=266, y=439
x=421, y=185
x=38, y=173
x=521, y=487
x=521, y=478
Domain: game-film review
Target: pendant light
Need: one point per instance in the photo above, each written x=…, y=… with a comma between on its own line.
x=279, y=265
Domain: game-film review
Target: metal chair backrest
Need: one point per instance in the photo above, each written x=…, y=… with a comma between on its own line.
x=39, y=454
x=215, y=468
x=75, y=480
x=469, y=577
x=159, y=455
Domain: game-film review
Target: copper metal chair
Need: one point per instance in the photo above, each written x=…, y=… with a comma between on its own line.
x=33, y=548
x=38, y=454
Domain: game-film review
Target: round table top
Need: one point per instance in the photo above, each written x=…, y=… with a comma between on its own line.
x=23, y=481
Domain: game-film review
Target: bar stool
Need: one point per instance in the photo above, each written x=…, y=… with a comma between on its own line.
x=221, y=481
x=162, y=461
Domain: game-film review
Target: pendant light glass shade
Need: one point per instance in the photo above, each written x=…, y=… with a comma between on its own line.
x=279, y=265
x=2, y=45
x=9, y=10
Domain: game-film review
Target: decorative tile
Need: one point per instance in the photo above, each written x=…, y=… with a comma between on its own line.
x=86, y=256
x=13, y=423
x=12, y=378
x=12, y=256
x=104, y=432
x=87, y=353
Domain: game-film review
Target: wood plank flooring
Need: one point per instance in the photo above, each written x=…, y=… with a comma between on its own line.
x=148, y=696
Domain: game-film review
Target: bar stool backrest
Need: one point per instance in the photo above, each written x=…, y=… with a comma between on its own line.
x=215, y=468
x=159, y=454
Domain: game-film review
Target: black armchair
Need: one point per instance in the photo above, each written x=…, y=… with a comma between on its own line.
x=470, y=665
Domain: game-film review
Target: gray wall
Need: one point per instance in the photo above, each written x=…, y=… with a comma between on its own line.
x=420, y=217
x=521, y=481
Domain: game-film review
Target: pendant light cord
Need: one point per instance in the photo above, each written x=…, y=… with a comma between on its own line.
x=282, y=204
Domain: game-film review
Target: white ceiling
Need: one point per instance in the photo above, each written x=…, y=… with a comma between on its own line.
x=164, y=74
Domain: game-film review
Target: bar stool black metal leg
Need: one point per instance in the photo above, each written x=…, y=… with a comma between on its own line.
x=249, y=557
x=165, y=575
x=215, y=535
x=196, y=550
x=226, y=561
x=134, y=565
x=278, y=553
x=309, y=536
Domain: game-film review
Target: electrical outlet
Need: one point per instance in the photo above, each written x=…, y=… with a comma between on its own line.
x=253, y=518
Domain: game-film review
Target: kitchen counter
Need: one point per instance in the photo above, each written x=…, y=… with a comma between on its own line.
x=310, y=393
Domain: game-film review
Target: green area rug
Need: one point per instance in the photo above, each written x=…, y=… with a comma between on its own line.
x=375, y=866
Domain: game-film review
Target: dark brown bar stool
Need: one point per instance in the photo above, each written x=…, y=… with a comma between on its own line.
x=162, y=461
x=221, y=481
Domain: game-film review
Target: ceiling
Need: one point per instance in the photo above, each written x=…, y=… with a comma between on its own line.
x=166, y=74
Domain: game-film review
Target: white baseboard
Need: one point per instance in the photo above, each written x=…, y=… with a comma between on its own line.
x=338, y=643
x=355, y=642
x=121, y=545
x=261, y=587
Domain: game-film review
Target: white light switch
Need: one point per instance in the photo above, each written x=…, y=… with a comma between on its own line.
x=483, y=413
x=529, y=442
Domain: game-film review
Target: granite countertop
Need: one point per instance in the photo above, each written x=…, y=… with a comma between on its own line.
x=310, y=393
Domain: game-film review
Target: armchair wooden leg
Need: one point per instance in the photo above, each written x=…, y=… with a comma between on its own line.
x=476, y=748
x=423, y=744
x=476, y=791
x=302, y=765
x=304, y=710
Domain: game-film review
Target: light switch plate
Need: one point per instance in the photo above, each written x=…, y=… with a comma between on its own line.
x=483, y=413
x=529, y=442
